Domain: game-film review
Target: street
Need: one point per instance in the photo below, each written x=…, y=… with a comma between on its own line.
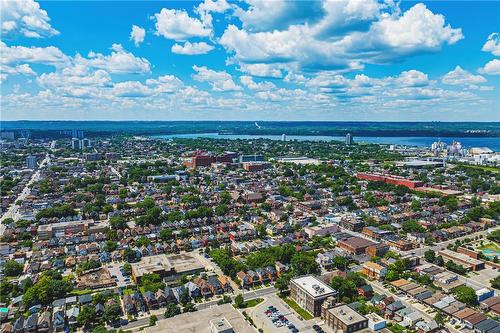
x=11, y=212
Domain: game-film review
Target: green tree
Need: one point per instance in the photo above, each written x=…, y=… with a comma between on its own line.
x=495, y=283
x=189, y=307
x=439, y=318
x=430, y=255
x=166, y=234
x=172, y=310
x=50, y=286
x=110, y=246
x=239, y=301
x=127, y=268
x=152, y=320
x=117, y=222
x=87, y=316
x=13, y=268
x=112, y=313
x=465, y=295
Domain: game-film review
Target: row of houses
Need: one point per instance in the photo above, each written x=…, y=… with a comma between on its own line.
x=449, y=306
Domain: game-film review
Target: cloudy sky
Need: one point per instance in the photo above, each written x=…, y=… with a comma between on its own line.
x=251, y=60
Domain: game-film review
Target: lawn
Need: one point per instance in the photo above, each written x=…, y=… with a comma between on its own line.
x=251, y=303
x=303, y=313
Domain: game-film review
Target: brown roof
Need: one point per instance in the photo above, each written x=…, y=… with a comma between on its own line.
x=476, y=318
x=464, y=313
x=357, y=242
x=496, y=308
x=399, y=283
x=409, y=286
x=491, y=301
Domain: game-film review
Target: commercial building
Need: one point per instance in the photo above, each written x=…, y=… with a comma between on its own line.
x=342, y=318
x=93, y=156
x=256, y=166
x=31, y=162
x=355, y=245
x=374, y=270
x=215, y=319
x=375, y=322
x=389, y=179
x=462, y=259
x=169, y=267
x=299, y=160
x=62, y=229
x=310, y=292
x=251, y=158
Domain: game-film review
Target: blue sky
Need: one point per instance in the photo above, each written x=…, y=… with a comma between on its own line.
x=251, y=60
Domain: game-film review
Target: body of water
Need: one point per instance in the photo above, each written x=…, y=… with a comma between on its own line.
x=467, y=142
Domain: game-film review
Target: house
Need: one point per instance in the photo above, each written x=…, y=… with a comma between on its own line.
x=44, y=322
x=128, y=304
x=85, y=299
x=215, y=284
x=72, y=315
x=374, y=270
x=193, y=289
x=390, y=309
x=263, y=276
x=325, y=260
x=99, y=309
x=412, y=318
x=169, y=295
x=19, y=325
x=160, y=298
x=150, y=300
x=365, y=291
x=487, y=325
x=30, y=324
x=427, y=327
x=58, y=321
x=245, y=279
x=226, y=285
x=206, y=290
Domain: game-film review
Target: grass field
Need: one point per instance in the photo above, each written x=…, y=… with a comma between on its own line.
x=303, y=313
x=251, y=303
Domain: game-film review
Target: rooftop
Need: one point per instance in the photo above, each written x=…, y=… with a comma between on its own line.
x=346, y=315
x=313, y=286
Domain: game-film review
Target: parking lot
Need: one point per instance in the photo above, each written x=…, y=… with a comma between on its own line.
x=264, y=321
x=121, y=281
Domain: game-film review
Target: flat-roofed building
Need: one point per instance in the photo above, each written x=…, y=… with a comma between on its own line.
x=167, y=266
x=310, y=292
x=355, y=245
x=462, y=259
x=342, y=318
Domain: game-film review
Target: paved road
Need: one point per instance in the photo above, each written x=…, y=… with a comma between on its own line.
x=11, y=212
x=113, y=170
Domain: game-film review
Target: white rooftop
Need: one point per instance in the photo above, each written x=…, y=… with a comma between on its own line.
x=314, y=286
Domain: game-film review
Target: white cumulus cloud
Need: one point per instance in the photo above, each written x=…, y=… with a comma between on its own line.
x=218, y=80
x=192, y=48
x=118, y=62
x=491, y=68
x=25, y=17
x=137, y=34
x=459, y=76
x=492, y=44
x=178, y=25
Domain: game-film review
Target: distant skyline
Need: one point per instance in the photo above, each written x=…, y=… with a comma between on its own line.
x=342, y=60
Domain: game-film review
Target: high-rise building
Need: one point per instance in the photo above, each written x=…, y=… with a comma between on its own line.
x=85, y=143
x=76, y=144
x=31, y=162
x=283, y=137
x=348, y=139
